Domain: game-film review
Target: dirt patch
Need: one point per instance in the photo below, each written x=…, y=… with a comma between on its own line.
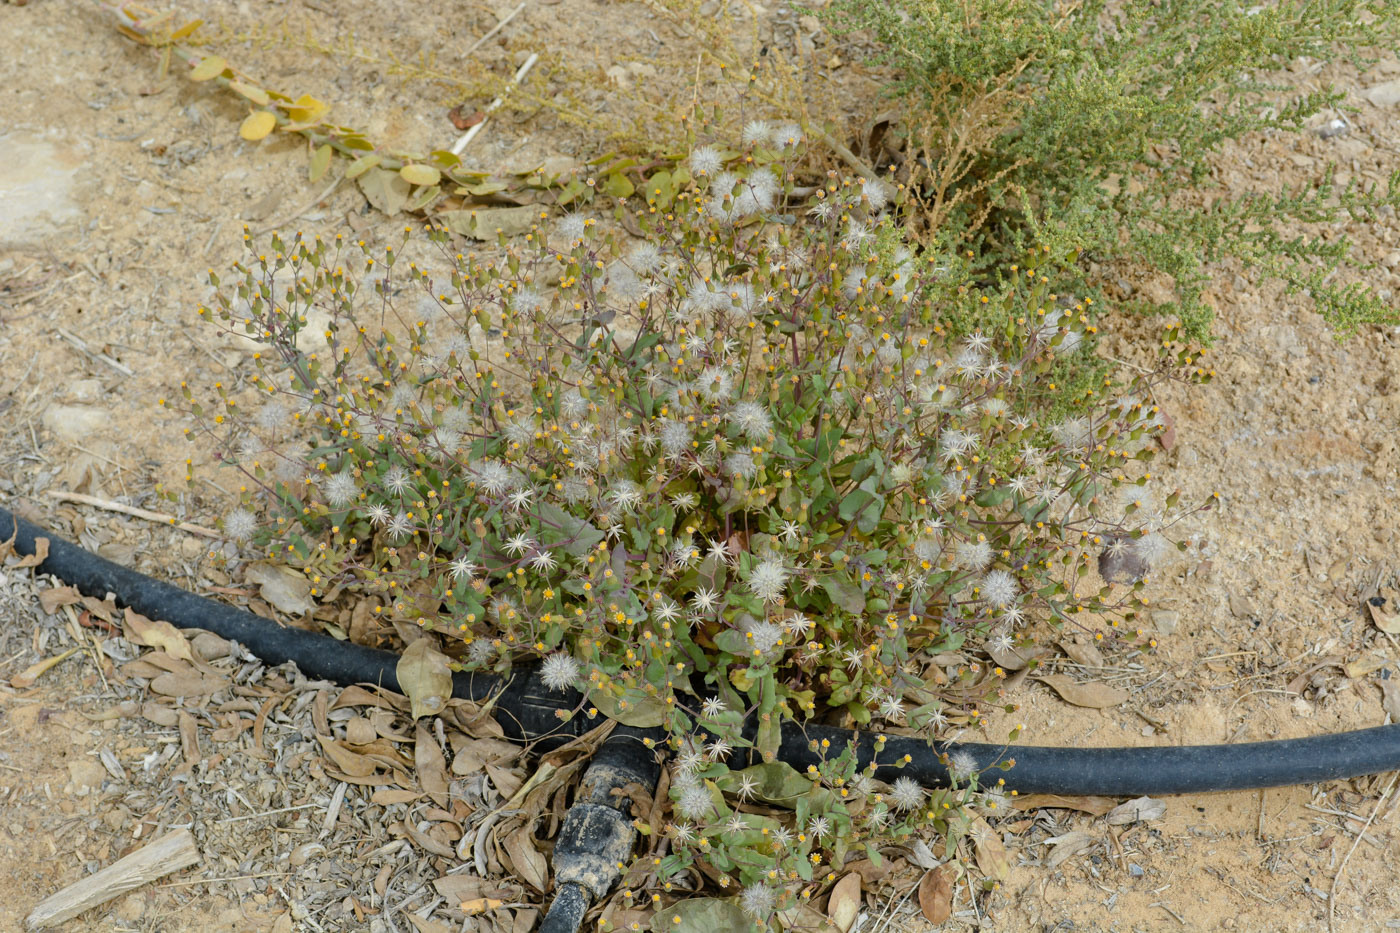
x=98, y=289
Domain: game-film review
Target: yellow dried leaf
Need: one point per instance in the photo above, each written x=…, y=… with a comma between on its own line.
x=31, y=674
x=210, y=67
x=257, y=125
x=420, y=175
x=187, y=30
x=480, y=905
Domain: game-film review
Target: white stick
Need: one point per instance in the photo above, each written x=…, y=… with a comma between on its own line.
x=496, y=28
x=470, y=134
x=131, y=510
x=169, y=853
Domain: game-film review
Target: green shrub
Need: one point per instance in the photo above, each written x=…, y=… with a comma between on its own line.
x=757, y=464
x=1080, y=125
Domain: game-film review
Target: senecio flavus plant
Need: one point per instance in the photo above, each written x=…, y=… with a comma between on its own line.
x=764, y=456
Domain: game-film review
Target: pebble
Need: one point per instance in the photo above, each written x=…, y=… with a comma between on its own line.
x=1166, y=621
x=75, y=423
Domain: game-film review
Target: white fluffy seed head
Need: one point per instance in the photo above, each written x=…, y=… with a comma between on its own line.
x=961, y=765
x=768, y=580
x=906, y=794
x=758, y=900
x=559, y=671
x=340, y=489
x=974, y=555
x=240, y=524
x=999, y=588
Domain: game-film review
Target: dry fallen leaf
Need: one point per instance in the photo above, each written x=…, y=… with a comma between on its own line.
x=1385, y=621
x=936, y=895
x=1066, y=846
x=1082, y=651
x=283, y=588
x=1390, y=697
x=157, y=634
x=425, y=678
x=992, y=856
x=31, y=674
x=1092, y=696
x=844, y=903
x=529, y=864
x=1095, y=806
x=1142, y=809
x=431, y=765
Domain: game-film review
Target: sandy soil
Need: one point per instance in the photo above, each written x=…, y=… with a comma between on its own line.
x=145, y=185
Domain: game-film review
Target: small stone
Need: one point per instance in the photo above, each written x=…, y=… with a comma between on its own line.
x=1383, y=95
x=86, y=775
x=1240, y=607
x=1337, y=127
x=74, y=423
x=1166, y=621
x=1135, y=870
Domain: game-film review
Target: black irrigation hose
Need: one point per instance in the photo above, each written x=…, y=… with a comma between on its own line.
x=527, y=711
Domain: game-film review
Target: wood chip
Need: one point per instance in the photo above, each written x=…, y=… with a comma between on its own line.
x=170, y=853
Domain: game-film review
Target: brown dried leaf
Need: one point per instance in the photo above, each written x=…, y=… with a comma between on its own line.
x=506, y=780
x=992, y=856
x=1014, y=658
x=529, y=863
x=1082, y=651
x=1142, y=809
x=1066, y=846
x=192, y=684
x=1385, y=621
x=936, y=895
x=41, y=553
x=428, y=926
x=389, y=796
x=431, y=765
x=283, y=587
x=462, y=120
x=425, y=678
x=351, y=762
x=57, y=597
x=1091, y=696
x=1095, y=806
x=1390, y=697
x=844, y=903
x=158, y=634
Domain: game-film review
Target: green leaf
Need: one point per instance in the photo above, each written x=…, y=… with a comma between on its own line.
x=320, y=161
x=577, y=536
x=618, y=186
x=844, y=594
x=643, y=712
x=422, y=175
x=702, y=915
x=363, y=164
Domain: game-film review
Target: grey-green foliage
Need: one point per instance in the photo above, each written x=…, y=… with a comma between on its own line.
x=1082, y=94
